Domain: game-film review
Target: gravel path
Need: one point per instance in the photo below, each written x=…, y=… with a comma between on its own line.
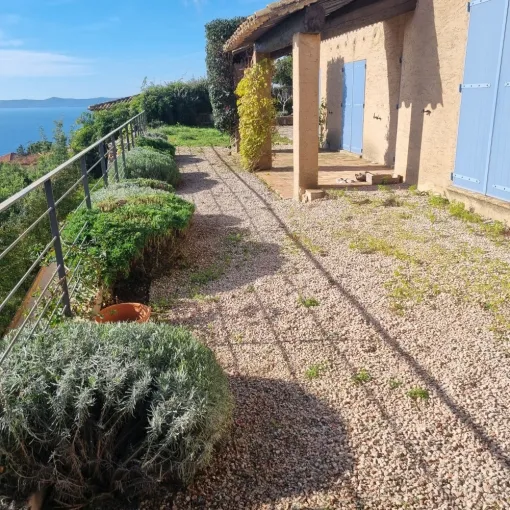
x=324, y=336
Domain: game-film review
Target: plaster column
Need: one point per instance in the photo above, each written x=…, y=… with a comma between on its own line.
x=266, y=160
x=306, y=58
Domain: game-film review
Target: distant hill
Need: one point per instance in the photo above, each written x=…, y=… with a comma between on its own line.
x=52, y=102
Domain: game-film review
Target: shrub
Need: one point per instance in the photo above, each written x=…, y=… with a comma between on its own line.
x=177, y=102
x=157, y=144
x=257, y=113
x=220, y=73
x=123, y=227
x=94, y=409
x=150, y=164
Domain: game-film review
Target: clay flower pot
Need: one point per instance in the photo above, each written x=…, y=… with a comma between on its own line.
x=124, y=312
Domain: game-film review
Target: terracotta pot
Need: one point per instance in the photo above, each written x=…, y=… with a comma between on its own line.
x=124, y=312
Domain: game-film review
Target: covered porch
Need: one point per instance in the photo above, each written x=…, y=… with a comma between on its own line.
x=336, y=170
x=297, y=27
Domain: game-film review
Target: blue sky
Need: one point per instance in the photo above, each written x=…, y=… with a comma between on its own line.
x=91, y=48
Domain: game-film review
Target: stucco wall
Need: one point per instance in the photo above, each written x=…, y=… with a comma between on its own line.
x=433, y=64
x=381, y=45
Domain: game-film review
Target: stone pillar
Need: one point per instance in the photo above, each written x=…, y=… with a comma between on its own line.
x=266, y=160
x=306, y=57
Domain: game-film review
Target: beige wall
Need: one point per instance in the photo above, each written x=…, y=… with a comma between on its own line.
x=433, y=64
x=381, y=45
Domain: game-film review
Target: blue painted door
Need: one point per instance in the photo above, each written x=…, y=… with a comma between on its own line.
x=480, y=90
x=498, y=178
x=353, y=106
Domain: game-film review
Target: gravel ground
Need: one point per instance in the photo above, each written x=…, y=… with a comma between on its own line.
x=326, y=316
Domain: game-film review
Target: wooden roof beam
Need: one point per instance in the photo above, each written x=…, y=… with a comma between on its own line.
x=310, y=20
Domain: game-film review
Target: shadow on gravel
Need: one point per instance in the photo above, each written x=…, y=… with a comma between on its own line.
x=184, y=160
x=481, y=434
x=284, y=443
x=195, y=182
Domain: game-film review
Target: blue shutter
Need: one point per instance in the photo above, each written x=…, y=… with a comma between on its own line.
x=353, y=106
x=347, y=97
x=498, y=184
x=483, y=57
x=358, y=107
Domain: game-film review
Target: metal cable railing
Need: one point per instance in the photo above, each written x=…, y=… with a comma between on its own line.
x=66, y=268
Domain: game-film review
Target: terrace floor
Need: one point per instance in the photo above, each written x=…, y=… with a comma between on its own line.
x=363, y=337
x=335, y=168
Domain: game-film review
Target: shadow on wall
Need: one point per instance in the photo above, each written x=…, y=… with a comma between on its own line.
x=393, y=45
x=421, y=88
x=334, y=93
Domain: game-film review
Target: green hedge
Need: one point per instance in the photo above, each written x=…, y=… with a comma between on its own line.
x=125, y=224
x=146, y=163
x=107, y=410
x=177, y=102
x=220, y=73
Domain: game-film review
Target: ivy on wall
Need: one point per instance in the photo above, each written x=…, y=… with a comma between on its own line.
x=220, y=73
x=257, y=112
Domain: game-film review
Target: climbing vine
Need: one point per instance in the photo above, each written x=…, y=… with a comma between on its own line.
x=257, y=112
x=323, y=117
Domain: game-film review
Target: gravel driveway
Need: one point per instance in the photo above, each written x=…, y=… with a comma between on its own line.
x=365, y=341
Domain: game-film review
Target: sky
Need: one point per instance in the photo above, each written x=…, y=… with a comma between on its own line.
x=98, y=48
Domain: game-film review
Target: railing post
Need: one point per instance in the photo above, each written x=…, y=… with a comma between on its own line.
x=122, y=148
x=57, y=246
x=114, y=151
x=127, y=138
x=132, y=135
x=103, y=164
x=85, y=175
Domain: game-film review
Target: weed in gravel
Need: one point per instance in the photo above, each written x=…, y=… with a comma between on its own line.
x=336, y=193
x=413, y=189
x=238, y=337
x=315, y=371
x=250, y=288
x=370, y=244
x=308, y=302
x=405, y=216
x=438, y=201
x=395, y=383
x=235, y=237
x=385, y=188
x=495, y=229
x=205, y=275
x=301, y=239
x=418, y=394
x=392, y=201
x=431, y=217
x=458, y=210
x=362, y=376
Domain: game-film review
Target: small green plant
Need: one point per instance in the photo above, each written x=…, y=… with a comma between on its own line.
x=391, y=202
x=145, y=399
x=438, y=201
x=205, y=275
x=308, y=302
x=362, y=376
x=431, y=217
x=205, y=298
x=315, y=371
x=405, y=216
x=238, y=337
x=235, y=237
x=187, y=136
x=250, y=288
x=418, y=394
x=394, y=383
x=385, y=188
x=413, y=189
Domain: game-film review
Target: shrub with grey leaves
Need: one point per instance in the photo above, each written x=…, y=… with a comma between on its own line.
x=97, y=411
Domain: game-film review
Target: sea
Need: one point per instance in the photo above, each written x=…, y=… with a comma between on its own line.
x=19, y=126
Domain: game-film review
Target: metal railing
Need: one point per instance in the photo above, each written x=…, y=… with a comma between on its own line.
x=55, y=297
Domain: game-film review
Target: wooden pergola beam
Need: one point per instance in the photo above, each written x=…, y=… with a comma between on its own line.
x=310, y=20
x=362, y=13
